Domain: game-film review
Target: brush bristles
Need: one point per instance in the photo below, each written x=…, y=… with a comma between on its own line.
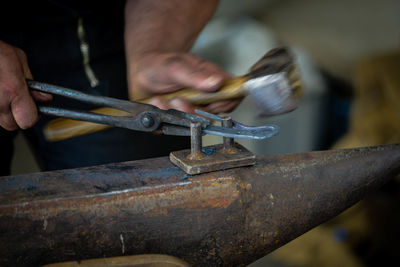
x=294, y=81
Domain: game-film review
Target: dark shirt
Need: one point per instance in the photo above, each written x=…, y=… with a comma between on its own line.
x=47, y=32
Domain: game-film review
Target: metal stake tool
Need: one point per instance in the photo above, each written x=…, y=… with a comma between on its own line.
x=196, y=142
x=212, y=158
x=229, y=143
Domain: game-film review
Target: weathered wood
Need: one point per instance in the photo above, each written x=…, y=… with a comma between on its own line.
x=230, y=217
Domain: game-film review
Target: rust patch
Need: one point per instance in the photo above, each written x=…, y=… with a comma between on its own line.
x=154, y=200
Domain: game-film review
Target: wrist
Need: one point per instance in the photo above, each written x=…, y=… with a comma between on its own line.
x=136, y=71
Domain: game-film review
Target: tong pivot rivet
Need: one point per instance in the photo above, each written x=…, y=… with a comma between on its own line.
x=147, y=121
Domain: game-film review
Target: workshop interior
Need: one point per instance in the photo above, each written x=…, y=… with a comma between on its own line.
x=347, y=57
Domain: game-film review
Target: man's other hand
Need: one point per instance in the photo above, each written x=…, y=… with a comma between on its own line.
x=17, y=106
x=160, y=73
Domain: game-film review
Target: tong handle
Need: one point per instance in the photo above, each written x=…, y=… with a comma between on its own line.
x=134, y=108
x=61, y=129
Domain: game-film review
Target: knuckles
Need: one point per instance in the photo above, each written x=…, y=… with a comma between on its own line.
x=27, y=124
x=7, y=122
x=20, y=53
x=10, y=89
x=174, y=59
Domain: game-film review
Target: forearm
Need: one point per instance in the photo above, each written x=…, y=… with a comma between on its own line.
x=164, y=25
x=158, y=35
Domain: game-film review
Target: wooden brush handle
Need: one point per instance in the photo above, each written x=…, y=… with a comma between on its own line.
x=232, y=88
x=61, y=129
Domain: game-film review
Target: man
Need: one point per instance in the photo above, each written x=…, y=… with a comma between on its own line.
x=101, y=48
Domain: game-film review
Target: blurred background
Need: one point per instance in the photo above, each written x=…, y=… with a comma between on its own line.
x=348, y=55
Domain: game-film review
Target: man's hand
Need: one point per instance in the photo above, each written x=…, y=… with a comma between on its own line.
x=160, y=73
x=17, y=107
x=158, y=35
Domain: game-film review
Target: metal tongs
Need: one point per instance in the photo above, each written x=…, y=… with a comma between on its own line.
x=146, y=117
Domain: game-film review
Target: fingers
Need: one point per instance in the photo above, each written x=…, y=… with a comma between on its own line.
x=162, y=73
x=182, y=105
x=7, y=121
x=23, y=61
x=17, y=108
x=192, y=72
x=41, y=97
x=156, y=101
x=38, y=96
x=223, y=106
x=167, y=72
x=24, y=109
x=176, y=103
x=185, y=106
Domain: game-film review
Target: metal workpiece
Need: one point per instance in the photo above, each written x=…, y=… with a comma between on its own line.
x=224, y=218
x=212, y=158
x=227, y=141
x=196, y=142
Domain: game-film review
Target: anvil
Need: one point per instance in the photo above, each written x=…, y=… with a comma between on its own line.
x=222, y=218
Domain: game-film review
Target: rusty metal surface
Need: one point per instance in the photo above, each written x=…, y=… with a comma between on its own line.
x=225, y=218
x=229, y=143
x=147, y=260
x=212, y=158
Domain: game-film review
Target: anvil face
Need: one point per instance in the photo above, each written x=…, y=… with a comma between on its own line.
x=230, y=217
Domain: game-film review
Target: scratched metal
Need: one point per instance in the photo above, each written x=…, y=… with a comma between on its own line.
x=212, y=158
x=224, y=218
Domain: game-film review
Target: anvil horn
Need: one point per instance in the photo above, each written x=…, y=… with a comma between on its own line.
x=222, y=218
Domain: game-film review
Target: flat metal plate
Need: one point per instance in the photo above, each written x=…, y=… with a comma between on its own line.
x=214, y=159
